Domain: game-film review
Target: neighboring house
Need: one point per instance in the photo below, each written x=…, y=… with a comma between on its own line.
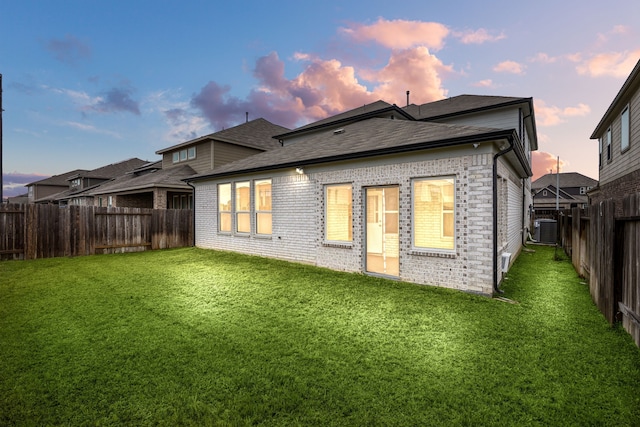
x=573, y=192
x=161, y=185
x=618, y=135
x=81, y=183
x=433, y=194
x=21, y=199
x=44, y=190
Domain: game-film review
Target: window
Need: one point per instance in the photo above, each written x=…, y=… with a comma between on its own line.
x=434, y=213
x=544, y=193
x=109, y=201
x=609, y=144
x=262, y=192
x=243, y=207
x=338, y=213
x=600, y=152
x=184, y=154
x=583, y=190
x=224, y=208
x=75, y=183
x=624, y=129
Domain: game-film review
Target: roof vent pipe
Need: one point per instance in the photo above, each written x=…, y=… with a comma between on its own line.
x=246, y=113
x=407, y=98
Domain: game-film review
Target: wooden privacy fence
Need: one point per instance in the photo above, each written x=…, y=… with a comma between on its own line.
x=605, y=249
x=45, y=231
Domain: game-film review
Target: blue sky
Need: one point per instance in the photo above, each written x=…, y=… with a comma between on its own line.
x=88, y=83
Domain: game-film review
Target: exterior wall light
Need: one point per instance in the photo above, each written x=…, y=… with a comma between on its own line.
x=299, y=171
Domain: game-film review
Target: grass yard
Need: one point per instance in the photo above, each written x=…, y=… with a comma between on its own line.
x=196, y=337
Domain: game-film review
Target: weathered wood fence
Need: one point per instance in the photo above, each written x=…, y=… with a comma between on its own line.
x=605, y=249
x=31, y=231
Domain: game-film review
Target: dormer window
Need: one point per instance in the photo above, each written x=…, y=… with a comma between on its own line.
x=75, y=183
x=184, y=154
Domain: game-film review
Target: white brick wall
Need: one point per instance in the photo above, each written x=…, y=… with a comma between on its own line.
x=298, y=212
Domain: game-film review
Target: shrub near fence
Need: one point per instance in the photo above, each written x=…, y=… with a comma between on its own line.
x=46, y=231
x=605, y=249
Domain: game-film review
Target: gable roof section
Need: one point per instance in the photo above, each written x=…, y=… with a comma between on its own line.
x=58, y=180
x=630, y=86
x=256, y=133
x=567, y=179
x=112, y=170
x=375, y=109
x=361, y=139
x=461, y=104
x=166, y=178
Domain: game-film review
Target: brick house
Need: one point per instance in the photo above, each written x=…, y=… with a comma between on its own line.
x=618, y=135
x=432, y=194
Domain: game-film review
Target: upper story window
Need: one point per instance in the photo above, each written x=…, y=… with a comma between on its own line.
x=624, y=129
x=608, y=141
x=75, y=183
x=600, y=152
x=184, y=154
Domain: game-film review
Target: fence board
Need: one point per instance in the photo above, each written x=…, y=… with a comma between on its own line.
x=630, y=270
x=44, y=231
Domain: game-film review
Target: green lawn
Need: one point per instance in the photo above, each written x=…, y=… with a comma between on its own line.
x=196, y=337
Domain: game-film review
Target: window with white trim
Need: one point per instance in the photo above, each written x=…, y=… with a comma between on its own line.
x=243, y=207
x=262, y=194
x=184, y=154
x=608, y=144
x=338, y=213
x=224, y=207
x=434, y=213
x=624, y=129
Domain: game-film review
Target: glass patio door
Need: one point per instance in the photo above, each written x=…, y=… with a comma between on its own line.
x=382, y=239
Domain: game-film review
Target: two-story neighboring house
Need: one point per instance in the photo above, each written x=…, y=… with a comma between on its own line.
x=434, y=194
x=618, y=135
x=45, y=190
x=572, y=193
x=161, y=185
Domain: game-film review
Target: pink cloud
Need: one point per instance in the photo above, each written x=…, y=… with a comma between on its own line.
x=324, y=87
x=399, y=33
x=613, y=64
x=542, y=163
x=550, y=115
x=509, y=67
x=413, y=69
x=478, y=36
x=544, y=58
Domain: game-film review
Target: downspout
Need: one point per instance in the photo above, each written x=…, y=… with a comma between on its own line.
x=194, y=212
x=496, y=289
x=525, y=230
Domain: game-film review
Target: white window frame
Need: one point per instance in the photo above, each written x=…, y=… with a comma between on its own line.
x=257, y=195
x=191, y=153
x=229, y=212
x=624, y=129
x=442, y=212
x=237, y=211
x=609, y=144
x=349, y=218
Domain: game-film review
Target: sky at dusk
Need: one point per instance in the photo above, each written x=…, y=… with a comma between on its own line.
x=89, y=83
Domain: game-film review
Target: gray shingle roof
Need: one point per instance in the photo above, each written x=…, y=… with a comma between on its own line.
x=256, y=133
x=113, y=170
x=359, y=139
x=167, y=178
x=567, y=179
x=58, y=180
x=460, y=104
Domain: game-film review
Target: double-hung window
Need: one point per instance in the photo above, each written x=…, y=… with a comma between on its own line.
x=624, y=129
x=608, y=144
x=434, y=213
x=338, y=213
x=224, y=208
x=243, y=207
x=262, y=192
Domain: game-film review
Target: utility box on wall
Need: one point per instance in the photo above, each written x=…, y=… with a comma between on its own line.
x=546, y=231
